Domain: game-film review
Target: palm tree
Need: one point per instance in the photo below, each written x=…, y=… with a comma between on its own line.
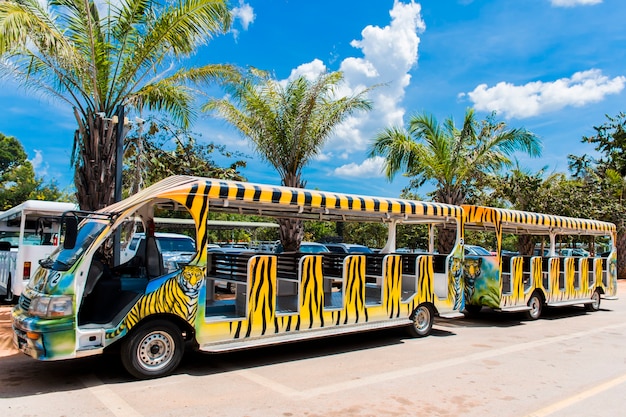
x=288, y=125
x=455, y=160
x=97, y=56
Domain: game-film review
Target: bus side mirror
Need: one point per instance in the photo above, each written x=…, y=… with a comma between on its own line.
x=71, y=232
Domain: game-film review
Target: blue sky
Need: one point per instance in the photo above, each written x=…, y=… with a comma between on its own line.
x=554, y=67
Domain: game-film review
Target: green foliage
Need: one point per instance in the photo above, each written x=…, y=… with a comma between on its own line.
x=455, y=160
x=242, y=234
x=610, y=141
x=288, y=124
x=373, y=235
x=164, y=150
x=318, y=231
x=95, y=63
x=17, y=176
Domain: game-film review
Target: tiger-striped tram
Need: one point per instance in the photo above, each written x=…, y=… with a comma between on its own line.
x=550, y=261
x=91, y=294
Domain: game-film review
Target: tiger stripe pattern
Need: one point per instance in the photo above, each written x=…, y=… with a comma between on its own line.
x=261, y=295
x=555, y=293
x=354, y=278
x=392, y=275
x=312, y=294
x=425, y=279
x=177, y=295
x=536, y=273
x=497, y=216
x=456, y=290
x=516, y=296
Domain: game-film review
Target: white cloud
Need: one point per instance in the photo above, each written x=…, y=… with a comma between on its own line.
x=310, y=71
x=369, y=168
x=245, y=14
x=389, y=53
x=539, y=97
x=40, y=168
x=574, y=3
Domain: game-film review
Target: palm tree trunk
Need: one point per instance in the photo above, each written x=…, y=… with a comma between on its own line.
x=291, y=233
x=446, y=240
x=525, y=245
x=446, y=237
x=291, y=230
x=95, y=147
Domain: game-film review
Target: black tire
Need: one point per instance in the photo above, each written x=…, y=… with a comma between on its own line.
x=153, y=350
x=595, y=304
x=421, y=321
x=536, y=307
x=472, y=309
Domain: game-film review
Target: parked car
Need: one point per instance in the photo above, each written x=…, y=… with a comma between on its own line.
x=175, y=249
x=474, y=250
x=574, y=252
x=306, y=247
x=347, y=248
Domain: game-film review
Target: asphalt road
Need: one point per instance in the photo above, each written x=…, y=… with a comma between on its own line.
x=569, y=363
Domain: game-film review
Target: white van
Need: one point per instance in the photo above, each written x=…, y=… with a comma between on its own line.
x=28, y=232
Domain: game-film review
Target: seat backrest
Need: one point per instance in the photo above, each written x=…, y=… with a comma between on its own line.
x=154, y=258
x=96, y=270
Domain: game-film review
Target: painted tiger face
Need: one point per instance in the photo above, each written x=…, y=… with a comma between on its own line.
x=471, y=272
x=190, y=279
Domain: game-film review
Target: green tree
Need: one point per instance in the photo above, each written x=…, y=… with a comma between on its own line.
x=165, y=150
x=454, y=159
x=96, y=62
x=521, y=189
x=17, y=176
x=288, y=124
x=605, y=179
x=610, y=141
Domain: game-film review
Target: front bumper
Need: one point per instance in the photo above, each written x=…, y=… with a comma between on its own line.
x=43, y=339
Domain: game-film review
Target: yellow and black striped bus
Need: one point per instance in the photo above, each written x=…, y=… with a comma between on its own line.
x=550, y=261
x=83, y=300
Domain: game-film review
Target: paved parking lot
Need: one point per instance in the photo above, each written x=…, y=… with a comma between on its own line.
x=569, y=363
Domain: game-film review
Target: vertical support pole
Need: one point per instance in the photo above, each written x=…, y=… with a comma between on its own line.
x=119, y=154
x=119, y=162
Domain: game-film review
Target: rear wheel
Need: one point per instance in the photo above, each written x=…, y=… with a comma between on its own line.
x=595, y=302
x=153, y=350
x=536, y=306
x=421, y=321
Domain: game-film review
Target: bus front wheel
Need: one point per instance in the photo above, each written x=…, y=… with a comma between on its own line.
x=153, y=350
x=421, y=321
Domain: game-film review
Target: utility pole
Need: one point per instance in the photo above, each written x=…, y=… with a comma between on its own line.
x=119, y=155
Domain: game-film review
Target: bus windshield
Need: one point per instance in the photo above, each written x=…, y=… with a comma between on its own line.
x=63, y=259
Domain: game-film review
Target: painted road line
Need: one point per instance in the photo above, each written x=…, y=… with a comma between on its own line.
x=574, y=399
x=113, y=402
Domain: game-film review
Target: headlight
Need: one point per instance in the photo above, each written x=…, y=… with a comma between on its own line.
x=51, y=307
